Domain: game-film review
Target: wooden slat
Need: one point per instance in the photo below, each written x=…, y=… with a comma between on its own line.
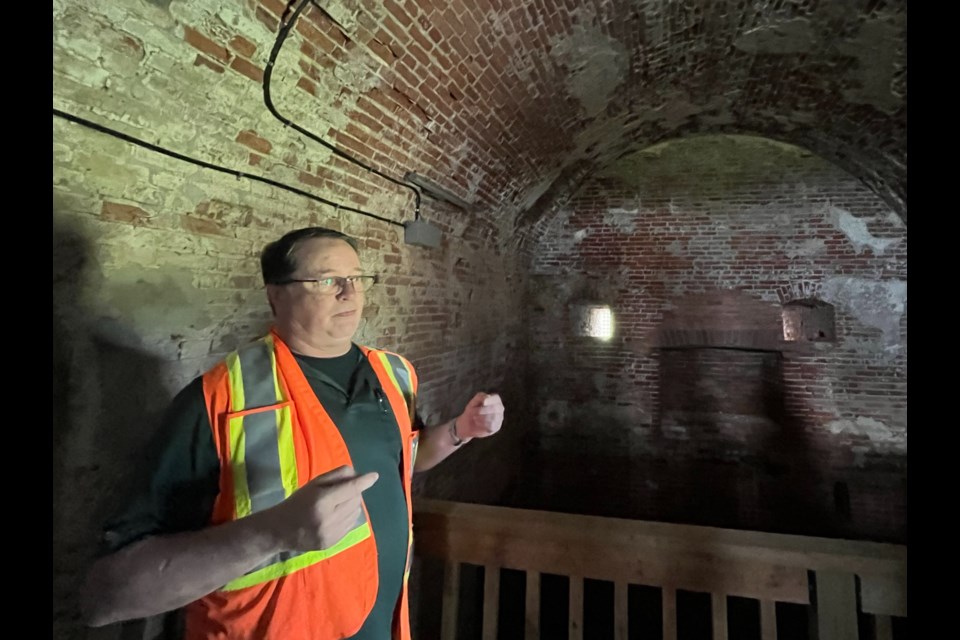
x=669, y=613
x=882, y=629
x=532, y=611
x=491, y=601
x=620, y=610
x=768, y=620
x=718, y=603
x=600, y=559
x=767, y=567
x=884, y=593
x=576, y=608
x=836, y=606
x=789, y=550
x=451, y=599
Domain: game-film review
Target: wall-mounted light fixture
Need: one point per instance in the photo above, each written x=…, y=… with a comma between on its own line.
x=419, y=232
x=435, y=191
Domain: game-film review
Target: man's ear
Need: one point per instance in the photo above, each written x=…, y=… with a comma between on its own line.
x=272, y=292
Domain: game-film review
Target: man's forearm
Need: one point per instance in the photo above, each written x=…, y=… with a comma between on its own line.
x=163, y=573
x=436, y=444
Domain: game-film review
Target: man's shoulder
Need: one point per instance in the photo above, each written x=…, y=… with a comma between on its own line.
x=374, y=350
x=391, y=358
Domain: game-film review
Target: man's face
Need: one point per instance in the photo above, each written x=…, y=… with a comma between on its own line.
x=319, y=319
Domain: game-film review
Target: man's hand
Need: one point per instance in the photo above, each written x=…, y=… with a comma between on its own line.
x=320, y=513
x=482, y=417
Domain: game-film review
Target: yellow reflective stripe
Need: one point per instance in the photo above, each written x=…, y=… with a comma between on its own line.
x=401, y=371
x=302, y=561
x=236, y=382
x=241, y=492
x=389, y=369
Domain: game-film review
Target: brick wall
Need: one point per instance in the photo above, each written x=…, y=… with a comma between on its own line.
x=698, y=243
x=156, y=271
x=509, y=106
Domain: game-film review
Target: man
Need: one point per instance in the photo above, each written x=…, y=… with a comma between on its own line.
x=281, y=506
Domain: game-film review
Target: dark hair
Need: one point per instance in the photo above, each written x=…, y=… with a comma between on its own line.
x=276, y=259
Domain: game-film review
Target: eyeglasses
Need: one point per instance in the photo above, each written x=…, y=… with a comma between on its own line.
x=335, y=285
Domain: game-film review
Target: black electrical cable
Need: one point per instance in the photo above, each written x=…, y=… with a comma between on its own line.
x=268, y=74
x=208, y=165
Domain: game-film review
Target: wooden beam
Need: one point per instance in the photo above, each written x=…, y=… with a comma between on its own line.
x=564, y=554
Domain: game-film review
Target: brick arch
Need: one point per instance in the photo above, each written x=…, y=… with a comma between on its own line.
x=780, y=153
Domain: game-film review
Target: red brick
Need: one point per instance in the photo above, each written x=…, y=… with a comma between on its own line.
x=316, y=37
x=133, y=45
x=315, y=181
x=419, y=54
x=382, y=51
x=123, y=213
x=251, y=139
x=367, y=121
x=398, y=12
x=267, y=19
x=307, y=86
x=200, y=226
x=396, y=32
x=247, y=68
x=243, y=46
x=202, y=43
x=210, y=64
x=276, y=7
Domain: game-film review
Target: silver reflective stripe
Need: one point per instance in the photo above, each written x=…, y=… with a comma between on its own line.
x=402, y=375
x=283, y=556
x=261, y=448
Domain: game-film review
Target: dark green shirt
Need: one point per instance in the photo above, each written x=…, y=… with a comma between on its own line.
x=182, y=490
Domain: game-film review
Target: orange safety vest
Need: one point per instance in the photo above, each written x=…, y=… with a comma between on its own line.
x=273, y=436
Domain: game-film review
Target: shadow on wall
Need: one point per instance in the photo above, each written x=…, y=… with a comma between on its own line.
x=750, y=463
x=106, y=404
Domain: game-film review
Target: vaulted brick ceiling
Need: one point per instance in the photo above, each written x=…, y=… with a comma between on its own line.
x=512, y=104
x=517, y=102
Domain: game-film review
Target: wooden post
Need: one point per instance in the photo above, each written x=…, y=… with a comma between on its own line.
x=719, y=607
x=451, y=599
x=882, y=629
x=576, y=608
x=669, y=613
x=532, y=612
x=768, y=620
x=620, y=610
x=491, y=601
x=836, y=606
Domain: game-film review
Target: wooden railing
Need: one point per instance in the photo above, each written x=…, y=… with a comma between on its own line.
x=770, y=568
